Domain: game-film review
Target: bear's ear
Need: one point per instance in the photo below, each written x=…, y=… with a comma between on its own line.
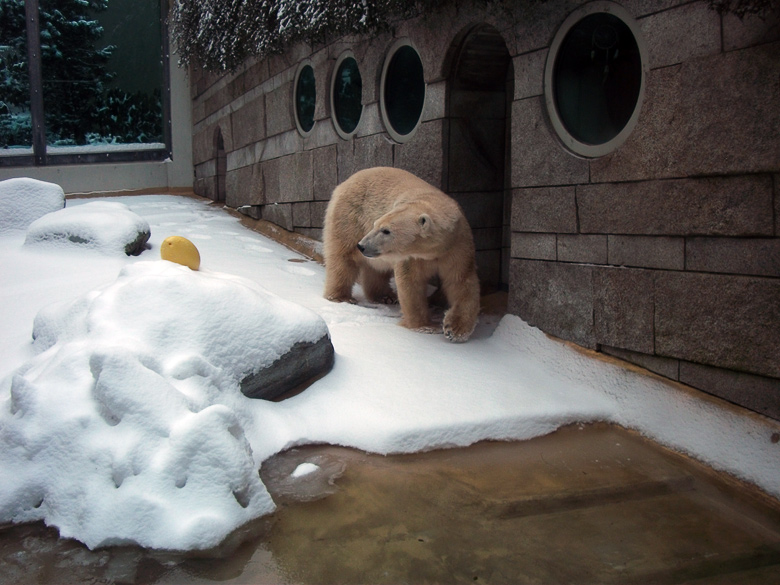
x=425, y=223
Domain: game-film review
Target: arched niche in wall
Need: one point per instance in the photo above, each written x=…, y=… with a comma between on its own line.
x=480, y=90
x=220, y=159
x=594, y=79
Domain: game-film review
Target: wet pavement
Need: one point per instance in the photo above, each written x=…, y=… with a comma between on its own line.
x=587, y=504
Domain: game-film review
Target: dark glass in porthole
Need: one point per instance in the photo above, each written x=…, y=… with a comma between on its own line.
x=348, y=95
x=305, y=98
x=597, y=78
x=404, y=90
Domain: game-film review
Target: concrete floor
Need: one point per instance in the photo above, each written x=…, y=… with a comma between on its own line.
x=592, y=504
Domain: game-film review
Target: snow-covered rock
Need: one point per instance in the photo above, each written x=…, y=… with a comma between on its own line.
x=106, y=226
x=134, y=410
x=24, y=200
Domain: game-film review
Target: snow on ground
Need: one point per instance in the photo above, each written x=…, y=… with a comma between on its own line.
x=119, y=432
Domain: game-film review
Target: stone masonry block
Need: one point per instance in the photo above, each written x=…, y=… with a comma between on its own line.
x=544, y=209
x=712, y=115
x=295, y=177
x=725, y=321
x=271, y=185
x=667, y=367
x=244, y=186
x=752, y=29
x=557, y=298
x=370, y=120
x=204, y=141
x=424, y=154
x=324, y=165
x=756, y=256
x=280, y=214
x=301, y=214
x=371, y=151
x=278, y=110
x=538, y=158
x=720, y=206
x=435, y=101
x=671, y=39
x=758, y=393
x=318, y=209
x=534, y=246
x=588, y=249
x=248, y=123
x=623, y=308
x=529, y=74
x=661, y=252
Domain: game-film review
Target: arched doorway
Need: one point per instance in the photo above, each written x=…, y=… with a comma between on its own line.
x=481, y=78
x=221, y=170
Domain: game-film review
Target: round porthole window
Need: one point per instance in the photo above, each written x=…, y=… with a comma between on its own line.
x=346, y=95
x=402, y=91
x=305, y=98
x=594, y=79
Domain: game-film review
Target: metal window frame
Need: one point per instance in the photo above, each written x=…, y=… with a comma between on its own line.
x=40, y=156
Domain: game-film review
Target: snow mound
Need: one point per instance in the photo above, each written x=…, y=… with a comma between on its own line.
x=22, y=201
x=129, y=425
x=106, y=226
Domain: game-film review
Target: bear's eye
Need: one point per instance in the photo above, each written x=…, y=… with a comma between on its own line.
x=386, y=231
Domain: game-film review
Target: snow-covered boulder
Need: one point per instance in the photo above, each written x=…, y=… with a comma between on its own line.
x=106, y=226
x=130, y=426
x=24, y=200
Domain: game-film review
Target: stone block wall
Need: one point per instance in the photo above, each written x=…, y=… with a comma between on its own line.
x=665, y=252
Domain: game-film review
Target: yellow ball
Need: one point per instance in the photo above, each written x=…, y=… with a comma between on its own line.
x=180, y=250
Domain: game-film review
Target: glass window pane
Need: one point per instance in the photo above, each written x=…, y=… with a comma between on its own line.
x=597, y=78
x=348, y=95
x=404, y=90
x=305, y=98
x=15, y=123
x=102, y=73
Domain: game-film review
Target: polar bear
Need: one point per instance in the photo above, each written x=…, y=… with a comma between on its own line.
x=385, y=221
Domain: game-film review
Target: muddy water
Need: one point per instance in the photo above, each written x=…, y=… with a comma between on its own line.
x=591, y=504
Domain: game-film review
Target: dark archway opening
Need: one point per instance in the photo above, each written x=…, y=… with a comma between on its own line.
x=221, y=170
x=481, y=78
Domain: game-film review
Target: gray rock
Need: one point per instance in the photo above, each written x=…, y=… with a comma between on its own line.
x=303, y=362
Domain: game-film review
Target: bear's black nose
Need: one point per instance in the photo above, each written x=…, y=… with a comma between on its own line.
x=361, y=247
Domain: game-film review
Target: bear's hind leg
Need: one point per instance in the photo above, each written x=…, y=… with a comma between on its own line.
x=376, y=286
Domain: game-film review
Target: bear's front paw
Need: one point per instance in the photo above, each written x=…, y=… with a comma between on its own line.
x=430, y=329
x=388, y=299
x=457, y=330
x=341, y=299
x=419, y=326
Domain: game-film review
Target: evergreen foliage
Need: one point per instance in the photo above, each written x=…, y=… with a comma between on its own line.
x=221, y=34
x=80, y=105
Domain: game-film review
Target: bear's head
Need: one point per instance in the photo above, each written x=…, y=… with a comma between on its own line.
x=406, y=230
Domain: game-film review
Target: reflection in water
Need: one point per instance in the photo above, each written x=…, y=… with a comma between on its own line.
x=594, y=504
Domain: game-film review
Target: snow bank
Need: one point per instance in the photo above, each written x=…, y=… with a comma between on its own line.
x=107, y=226
x=22, y=201
x=129, y=425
